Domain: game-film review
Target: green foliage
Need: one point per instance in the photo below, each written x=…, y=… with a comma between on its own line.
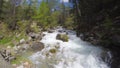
x=5, y=40
x=69, y=22
x=42, y=14
x=22, y=25
x=34, y=27
x=54, y=18
x=107, y=23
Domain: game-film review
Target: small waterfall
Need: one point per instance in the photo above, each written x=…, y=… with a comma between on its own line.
x=72, y=54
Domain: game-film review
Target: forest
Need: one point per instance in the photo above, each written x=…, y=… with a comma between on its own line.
x=51, y=33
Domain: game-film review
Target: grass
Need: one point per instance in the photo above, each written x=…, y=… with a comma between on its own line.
x=22, y=58
x=5, y=40
x=11, y=39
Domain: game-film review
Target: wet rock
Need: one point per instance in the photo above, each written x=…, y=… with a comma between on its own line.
x=60, y=31
x=43, y=34
x=50, y=31
x=62, y=37
x=37, y=46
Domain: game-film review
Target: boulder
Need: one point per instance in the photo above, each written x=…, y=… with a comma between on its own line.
x=62, y=37
x=37, y=46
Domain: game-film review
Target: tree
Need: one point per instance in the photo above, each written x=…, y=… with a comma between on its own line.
x=42, y=14
x=1, y=6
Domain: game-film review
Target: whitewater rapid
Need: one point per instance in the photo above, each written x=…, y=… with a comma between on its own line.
x=72, y=54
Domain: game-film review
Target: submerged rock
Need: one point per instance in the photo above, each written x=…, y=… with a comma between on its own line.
x=62, y=37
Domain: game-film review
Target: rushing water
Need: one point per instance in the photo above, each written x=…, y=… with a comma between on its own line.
x=72, y=54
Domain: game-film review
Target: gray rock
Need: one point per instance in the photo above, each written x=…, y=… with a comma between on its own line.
x=22, y=41
x=37, y=46
x=50, y=31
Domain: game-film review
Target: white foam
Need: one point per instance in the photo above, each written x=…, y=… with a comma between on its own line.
x=72, y=54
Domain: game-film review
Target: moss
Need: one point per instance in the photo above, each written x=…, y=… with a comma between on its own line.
x=63, y=37
x=53, y=50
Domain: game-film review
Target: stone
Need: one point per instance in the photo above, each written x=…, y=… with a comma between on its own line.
x=62, y=37
x=25, y=46
x=22, y=41
x=8, y=47
x=1, y=37
x=26, y=65
x=14, y=65
x=35, y=36
x=37, y=46
x=50, y=31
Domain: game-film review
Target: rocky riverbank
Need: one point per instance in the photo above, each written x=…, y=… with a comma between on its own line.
x=17, y=54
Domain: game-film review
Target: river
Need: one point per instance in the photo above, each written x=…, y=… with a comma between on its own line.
x=72, y=54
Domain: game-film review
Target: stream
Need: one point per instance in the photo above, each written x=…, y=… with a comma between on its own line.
x=72, y=54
